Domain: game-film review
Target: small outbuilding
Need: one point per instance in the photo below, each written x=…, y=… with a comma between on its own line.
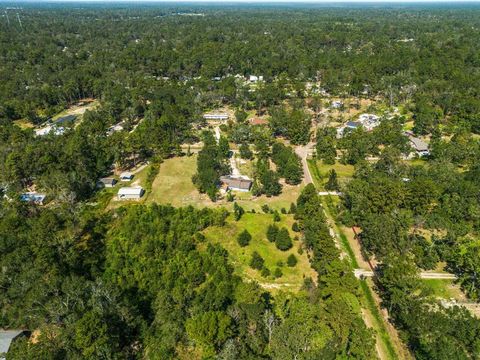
x=236, y=183
x=126, y=176
x=107, y=182
x=130, y=193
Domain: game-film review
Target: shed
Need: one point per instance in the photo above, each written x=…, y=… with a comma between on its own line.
x=130, y=193
x=236, y=183
x=126, y=176
x=6, y=339
x=107, y=182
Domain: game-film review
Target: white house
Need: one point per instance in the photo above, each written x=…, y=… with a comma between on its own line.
x=130, y=193
x=236, y=183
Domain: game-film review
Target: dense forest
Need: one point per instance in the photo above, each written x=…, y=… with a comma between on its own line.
x=142, y=280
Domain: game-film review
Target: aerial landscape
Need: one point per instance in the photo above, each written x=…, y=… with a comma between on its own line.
x=239, y=180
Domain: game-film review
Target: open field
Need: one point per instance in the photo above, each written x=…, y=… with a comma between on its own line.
x=257, y=225
x=319, y=172
x=173, y=185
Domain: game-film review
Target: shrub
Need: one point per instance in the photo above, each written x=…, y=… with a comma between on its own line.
x=276, y=216
x=278, y=273
x=292, y=260
x=244, y=238
x=282, y=240
x=256, y=262
x=265, y=272
x=265, y=209
x=295, y=227
x=272, y=232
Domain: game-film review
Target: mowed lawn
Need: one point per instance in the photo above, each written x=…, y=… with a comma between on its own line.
x=173, y=184
x=257, y=224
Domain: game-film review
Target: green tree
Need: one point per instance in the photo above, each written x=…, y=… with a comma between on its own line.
x=244, y=238
x=292, y=260
x=282, y=240
x=332, y=183
x=256, y=261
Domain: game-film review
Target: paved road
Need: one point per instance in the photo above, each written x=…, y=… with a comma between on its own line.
x=423, y=275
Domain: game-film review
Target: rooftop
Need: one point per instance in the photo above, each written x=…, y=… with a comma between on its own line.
x=137, y=190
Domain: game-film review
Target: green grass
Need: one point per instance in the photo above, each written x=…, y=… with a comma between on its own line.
x=443, y=288
x=173, y=184
x=379, y=326
x=319, y=172
x=257, y=225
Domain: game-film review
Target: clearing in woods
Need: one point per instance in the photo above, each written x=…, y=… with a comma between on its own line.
x=256, y=224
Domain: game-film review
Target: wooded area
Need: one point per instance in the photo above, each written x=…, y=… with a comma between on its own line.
x=96, y=280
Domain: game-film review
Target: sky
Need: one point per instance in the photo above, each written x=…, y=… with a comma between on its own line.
x=263, y=1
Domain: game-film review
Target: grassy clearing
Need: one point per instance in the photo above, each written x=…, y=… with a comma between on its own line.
x=257, y=225
x=173, y=185
x=444, y=289
x=139, y=179
x=320, y=171
x=377, y=321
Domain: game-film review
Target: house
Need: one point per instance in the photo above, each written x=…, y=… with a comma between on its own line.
x=126, y=176
x=420, y=147
x=369, y=121
x=216, y=116
x=107, y=182
x=6, y=339
x=33, y=198
x=130, y=193
x=236, y=183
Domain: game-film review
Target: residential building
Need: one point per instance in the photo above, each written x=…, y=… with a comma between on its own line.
x=236, y=183
x=420, y=147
